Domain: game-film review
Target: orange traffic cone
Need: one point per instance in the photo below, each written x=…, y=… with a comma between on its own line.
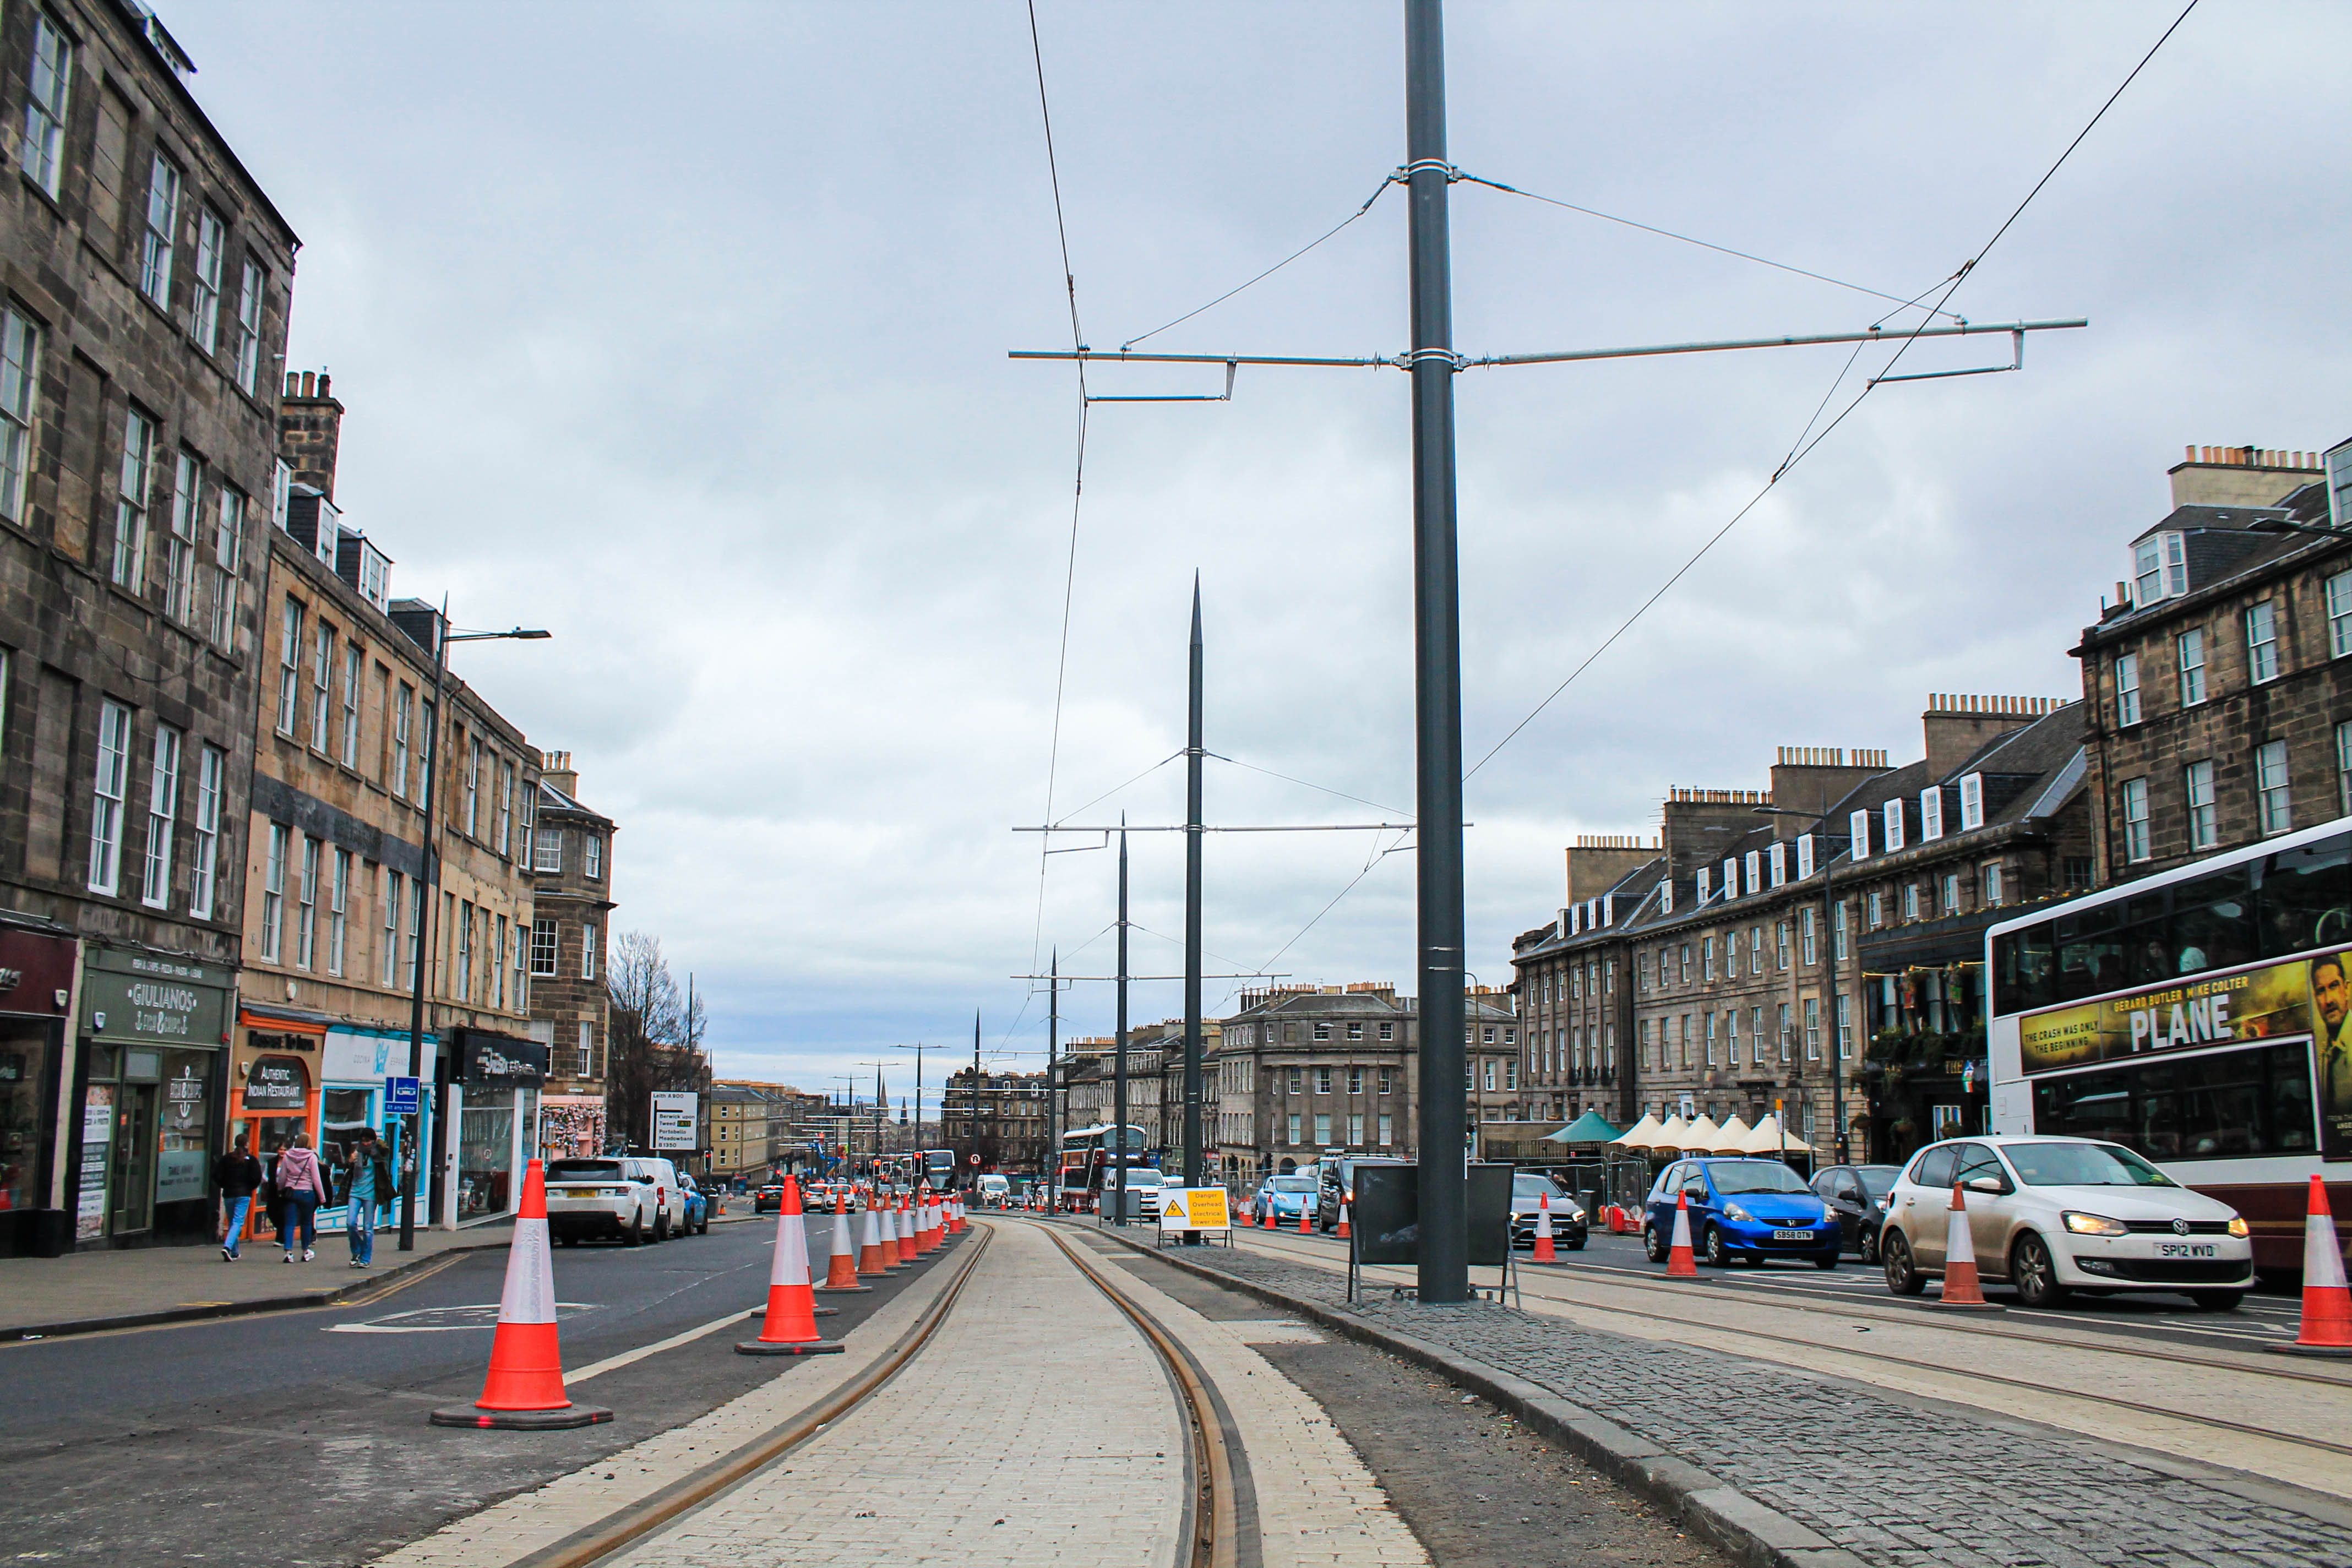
x=927, y=1223
x=2327, y=1303
x=1305, y=1214
x=790, y=1328
x=1544, y=1252
x=1344, y=1232
x=1960, y=1287
x=524, y=1390
x=873, y=1254
x=1266, y=1219
x=840, y=1268
x=905, y=1220
x=1680, y=1262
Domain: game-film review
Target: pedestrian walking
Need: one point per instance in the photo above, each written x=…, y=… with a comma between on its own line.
x=237, y=1175
x=368, y=1168
x=302, y=1188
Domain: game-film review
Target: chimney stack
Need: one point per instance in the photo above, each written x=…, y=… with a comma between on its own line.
x=310, y=429
x=556, y=768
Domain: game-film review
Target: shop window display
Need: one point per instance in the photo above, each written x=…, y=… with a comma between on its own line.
x=23, y=1069
x=485, y=1158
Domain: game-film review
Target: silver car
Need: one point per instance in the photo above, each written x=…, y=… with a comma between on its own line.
x=2048, y=1215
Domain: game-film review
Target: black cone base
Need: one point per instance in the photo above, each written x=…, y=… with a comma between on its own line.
x=2310, y=1350
x=764, y=1347
x=843, y=1290
x=561, y=1420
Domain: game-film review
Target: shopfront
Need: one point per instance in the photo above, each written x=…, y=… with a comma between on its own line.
x=150, y=1096
x=356, y=1063
x=570, y=1124
x=494, y=1111
x=36, y=990
x=275, y=1073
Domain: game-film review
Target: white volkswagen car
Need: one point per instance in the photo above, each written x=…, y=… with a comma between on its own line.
x=2047, y=1215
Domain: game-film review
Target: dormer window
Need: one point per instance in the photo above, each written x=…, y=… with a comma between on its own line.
x=2159, y=569
x=1894, y=812
x=1931, y=812
x=2339, y=485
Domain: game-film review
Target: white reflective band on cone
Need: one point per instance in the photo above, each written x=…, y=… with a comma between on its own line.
x=530, y=1293
x=789, y=1266
x=2323, y=1265
x=1960, y=1241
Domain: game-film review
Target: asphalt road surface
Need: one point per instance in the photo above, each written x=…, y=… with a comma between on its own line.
x=299, y=1438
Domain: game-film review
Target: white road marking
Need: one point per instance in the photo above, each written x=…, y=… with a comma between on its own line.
x=613, y=1363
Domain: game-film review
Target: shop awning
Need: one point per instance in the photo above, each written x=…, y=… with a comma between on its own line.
x=1770, y=1138
x=283, y=1020
x=1731, y=1138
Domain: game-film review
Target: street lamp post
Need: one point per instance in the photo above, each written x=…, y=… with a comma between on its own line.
x=1842, y=1148
x=421, y=917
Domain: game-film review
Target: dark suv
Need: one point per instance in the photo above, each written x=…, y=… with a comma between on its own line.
x=1339, y=1176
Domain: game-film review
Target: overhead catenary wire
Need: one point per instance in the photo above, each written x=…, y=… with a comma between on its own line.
x=1262, y=277
x=1077, y=484
x=1809, y=442
x=1683, y=239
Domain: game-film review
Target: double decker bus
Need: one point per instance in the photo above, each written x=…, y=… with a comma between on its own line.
x=938, y=1166
x=2202, y=1017
x=1090, y=1158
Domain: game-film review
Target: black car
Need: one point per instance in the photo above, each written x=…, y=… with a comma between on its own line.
x=1856, y=1197
x=1339, y=1176
x=769, y=1200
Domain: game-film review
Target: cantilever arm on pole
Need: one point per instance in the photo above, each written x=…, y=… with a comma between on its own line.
x=2017, y=362
x=1225, y=396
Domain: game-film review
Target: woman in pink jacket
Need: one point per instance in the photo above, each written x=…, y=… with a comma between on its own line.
x=302, y=1188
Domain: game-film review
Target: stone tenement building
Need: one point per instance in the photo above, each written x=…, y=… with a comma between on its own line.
x=143, y=295
x=337, y=906
x=1306, y=1070
x=1740, y=962
x=999, y=1116
x=571, y=894
x=2218, y=687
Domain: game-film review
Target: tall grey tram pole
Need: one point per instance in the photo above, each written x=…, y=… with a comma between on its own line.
x=1193, y=1175
x=1444, y=1273
x=1119, y=1097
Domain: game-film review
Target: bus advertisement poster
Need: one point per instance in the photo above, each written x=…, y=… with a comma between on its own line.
x=2300, y=996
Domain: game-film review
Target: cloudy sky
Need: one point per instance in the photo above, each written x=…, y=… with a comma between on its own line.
x=681, y=331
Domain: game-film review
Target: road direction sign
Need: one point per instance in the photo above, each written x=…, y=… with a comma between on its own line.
x=675, y=1115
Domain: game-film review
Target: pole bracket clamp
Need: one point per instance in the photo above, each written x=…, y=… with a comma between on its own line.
x=1404, y=174
x=1446, y=357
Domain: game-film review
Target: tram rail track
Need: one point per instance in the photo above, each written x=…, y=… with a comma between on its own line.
x=627, y=1526
x=2044, y=1388
x=1214, y=1511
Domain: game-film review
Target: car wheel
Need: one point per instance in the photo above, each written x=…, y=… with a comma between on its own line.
x=635, y=1235
x=1716, y=1258
x=2216, y=1300
x=1869, y=1246
x=1652, y=1245
x=1895, y=1255
x=1576, y=1244
x=1827, y=1260
x=2034, y=1273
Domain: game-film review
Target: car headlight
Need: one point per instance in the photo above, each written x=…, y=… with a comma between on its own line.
x=1733, y=1211
x=2094, y=1225
x=2238, y=1227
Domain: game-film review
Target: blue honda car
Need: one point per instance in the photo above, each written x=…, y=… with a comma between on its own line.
x=1740, y=1211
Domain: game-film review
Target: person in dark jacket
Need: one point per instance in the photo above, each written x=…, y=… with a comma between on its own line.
x=368, y=1176
x=237, y=1175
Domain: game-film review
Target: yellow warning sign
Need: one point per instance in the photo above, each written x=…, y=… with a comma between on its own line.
x=1194, y=1208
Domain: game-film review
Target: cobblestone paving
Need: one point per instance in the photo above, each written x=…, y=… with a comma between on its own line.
x=1894, y=1484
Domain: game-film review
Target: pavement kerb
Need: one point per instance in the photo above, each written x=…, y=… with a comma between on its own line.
x=337, y=1297
x=1747, y=1530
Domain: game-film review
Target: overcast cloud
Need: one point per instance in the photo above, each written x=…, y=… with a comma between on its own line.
x=681, y=331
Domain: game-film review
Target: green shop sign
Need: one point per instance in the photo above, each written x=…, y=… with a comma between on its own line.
x=152, y=997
